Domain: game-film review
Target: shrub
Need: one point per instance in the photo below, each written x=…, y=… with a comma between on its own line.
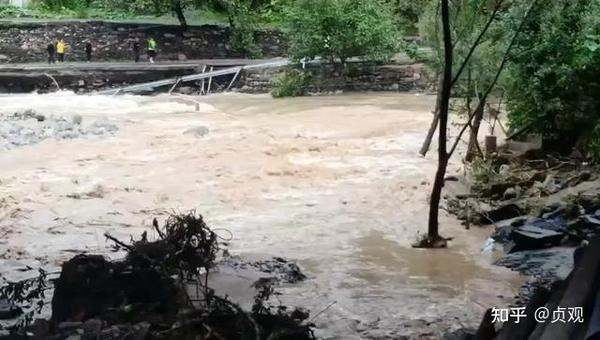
x=11, y=12
x=243, y=41
x=553, y=75
x=291, y=83
x=242, y=21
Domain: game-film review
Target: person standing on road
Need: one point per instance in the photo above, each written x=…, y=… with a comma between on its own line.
x=60, y=50
x=88, y=51
x=151, y=50
x=136, y=50
x=51, y=56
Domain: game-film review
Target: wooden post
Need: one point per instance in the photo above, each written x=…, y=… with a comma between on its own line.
x=202, y=84
x=490, y=145
x=234, y=78
x=209, y=81
x=175, y=85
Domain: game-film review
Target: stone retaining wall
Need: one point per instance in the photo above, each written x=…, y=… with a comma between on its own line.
x=26, y=42
x=359, y=77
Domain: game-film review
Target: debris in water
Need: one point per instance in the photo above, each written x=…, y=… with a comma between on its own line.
x=159, y=290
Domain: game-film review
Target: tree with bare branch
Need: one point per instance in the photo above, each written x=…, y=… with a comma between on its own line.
x=433, y=238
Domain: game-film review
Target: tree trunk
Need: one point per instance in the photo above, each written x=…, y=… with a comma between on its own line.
x=461, y=68
x=436, y=193
x=474, y=148
x=178, y=10
x=434, y=122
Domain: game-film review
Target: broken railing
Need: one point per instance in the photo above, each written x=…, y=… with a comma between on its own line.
x=174, y=82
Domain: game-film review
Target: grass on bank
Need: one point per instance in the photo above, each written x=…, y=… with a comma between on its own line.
x=193, y=17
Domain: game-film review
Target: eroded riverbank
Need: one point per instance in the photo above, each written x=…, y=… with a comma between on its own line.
x=333, y=182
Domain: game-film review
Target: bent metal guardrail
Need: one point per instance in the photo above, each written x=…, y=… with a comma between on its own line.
x=192, y=77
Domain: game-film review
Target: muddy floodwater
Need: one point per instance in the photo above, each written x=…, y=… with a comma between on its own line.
x=333, y=182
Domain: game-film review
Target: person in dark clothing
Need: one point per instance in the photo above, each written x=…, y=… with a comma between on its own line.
x=88, y=51
x=51, y=55
x=136, y=50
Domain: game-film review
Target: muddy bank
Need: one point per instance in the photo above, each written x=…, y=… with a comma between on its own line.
x=333, y=182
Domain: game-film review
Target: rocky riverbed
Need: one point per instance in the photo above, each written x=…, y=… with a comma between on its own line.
x=29, y=127
x=542, y=206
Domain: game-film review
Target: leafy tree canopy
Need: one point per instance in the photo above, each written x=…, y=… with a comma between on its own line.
x=340, y=29
x=554, y=83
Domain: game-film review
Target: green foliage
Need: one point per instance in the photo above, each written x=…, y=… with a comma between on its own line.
x=340, y=29
x=554, y=77
x=11, y=12
x=292, y=83
x=243, y=25
x=408, y=13
x=243, y=40
x=65, y=7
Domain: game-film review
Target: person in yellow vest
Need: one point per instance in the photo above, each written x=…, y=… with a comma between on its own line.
x=60, y=50
x=151, y=50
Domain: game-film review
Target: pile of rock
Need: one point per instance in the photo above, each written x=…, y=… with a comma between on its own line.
x=568, y=309
x=28, y=127
x=538, y=225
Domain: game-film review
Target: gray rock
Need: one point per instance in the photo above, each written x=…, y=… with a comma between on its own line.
x=554, y=210
x=68, y=325
x=92, y=327
x=102, y=126
x=141, y=330
x=77, y=119
x=198, y=131
x=511, y=193
x=550, y=184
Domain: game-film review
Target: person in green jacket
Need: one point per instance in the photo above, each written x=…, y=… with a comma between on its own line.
x=151, y=50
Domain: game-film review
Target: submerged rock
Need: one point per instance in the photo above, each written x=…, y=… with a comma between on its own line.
x=198, y=131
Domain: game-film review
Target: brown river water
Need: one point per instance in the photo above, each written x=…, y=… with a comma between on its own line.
x=333, y=182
